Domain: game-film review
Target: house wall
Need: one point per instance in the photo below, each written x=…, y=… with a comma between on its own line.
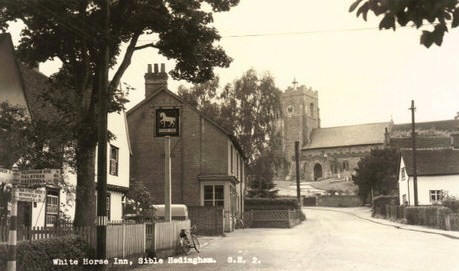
x=447, y=183
x=116, y=202
x=117, y=125
x=201, y=149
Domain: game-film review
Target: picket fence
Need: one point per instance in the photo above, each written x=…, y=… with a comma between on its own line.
x=123, y=240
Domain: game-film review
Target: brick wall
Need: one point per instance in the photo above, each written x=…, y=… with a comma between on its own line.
x=201, y=149
x=208, y=219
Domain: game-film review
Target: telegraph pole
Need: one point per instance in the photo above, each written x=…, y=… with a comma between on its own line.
x=297, y=164
x=102, y=103
x=413, y=137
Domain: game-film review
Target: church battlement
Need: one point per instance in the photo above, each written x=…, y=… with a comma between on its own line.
x=301, y=90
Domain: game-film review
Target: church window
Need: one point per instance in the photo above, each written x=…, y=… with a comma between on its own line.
x=345, y=165
x=311, y=109
x=289, y=110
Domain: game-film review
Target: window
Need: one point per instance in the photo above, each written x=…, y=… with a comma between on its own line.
x=404, y=201
x=114, y=156
x=311, y=109
x=435, y=195
x=108, y=200
x=403, y=173
x=345, y=165
x=214, y=195
x=52, y=208
x=231, y=159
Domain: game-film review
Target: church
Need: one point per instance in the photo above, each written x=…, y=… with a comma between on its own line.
x=334, y=152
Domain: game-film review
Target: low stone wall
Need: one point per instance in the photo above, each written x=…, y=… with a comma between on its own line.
x=338, y=201
x=209, y=220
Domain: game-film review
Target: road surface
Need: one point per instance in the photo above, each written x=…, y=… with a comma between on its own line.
x=328, y=240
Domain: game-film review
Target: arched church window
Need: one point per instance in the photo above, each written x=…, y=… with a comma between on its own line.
x=311, y=109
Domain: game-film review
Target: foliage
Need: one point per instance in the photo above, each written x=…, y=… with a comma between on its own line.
x=452, y=203
x=39, y=254
x=271, y=204
x=248, y=109
x=437, y=14
x=377, y=171
x=138, y=200
x=30, y=143
x=72, y=31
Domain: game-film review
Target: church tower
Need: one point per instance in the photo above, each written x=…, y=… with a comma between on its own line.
x=300, y=114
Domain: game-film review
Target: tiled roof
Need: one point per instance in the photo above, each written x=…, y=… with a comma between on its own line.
x=363, y=134
x=421, y=142
x=442, y=125
x=432, y=162
x=35, y=85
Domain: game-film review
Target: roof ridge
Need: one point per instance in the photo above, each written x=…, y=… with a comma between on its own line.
x=354, y=125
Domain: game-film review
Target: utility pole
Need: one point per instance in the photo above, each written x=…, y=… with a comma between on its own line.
x=102, y=103
x=413, y=137
x=297, y=164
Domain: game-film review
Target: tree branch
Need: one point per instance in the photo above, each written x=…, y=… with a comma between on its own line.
x=126, y=61
x=145, y=46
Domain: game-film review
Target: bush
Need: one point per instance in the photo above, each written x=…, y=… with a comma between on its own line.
x=380, y=202
x=38, y=255
x=452, y=204
x=271, y=204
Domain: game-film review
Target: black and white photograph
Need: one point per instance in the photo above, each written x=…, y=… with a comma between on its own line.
x=229, y=135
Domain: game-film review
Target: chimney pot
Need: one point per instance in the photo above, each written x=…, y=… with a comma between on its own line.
x=156, y=68
x=149, y=68
x=163, y=67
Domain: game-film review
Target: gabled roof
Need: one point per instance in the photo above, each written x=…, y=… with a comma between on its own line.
x=24, y=82
x=352, y=135
x=421, y=142
x=432, y=162
x=178, y=98
x=441, y=125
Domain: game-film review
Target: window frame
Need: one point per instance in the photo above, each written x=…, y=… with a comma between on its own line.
x=214, y=198
x=435, y=196
x=114, y=161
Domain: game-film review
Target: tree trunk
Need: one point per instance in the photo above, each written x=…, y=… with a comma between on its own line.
x=85, y=207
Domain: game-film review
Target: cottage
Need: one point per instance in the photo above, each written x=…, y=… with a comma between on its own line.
x=437, y=175
x=207, y=163
x=20, y=85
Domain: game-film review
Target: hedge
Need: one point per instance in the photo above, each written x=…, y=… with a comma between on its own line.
x=271, y=204
x=380, y=202
x=452, y=204
x=38, y=255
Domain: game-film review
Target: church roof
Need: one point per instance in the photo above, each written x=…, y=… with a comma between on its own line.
x=432, y=162
x=352, y=135
x=441, y=125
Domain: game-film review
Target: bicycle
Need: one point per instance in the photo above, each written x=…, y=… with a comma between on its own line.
x=238, y=222
x=189, y=240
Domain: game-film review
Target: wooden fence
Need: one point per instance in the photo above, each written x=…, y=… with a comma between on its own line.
x=162, y=238
x=431, y=216
x=272, y=218
x=125, y=240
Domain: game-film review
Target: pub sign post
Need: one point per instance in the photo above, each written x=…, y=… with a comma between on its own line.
x=167, y=125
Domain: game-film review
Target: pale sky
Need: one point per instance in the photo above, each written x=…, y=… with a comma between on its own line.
x=362, y=75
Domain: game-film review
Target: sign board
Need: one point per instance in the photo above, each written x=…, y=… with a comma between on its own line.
x=167, y=122
x=39, y=177
x=29, y=194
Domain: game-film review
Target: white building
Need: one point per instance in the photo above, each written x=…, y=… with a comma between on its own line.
x=437, y=175
x=22, y=86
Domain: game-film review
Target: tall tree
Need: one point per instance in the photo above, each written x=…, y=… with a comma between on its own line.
x=71, y=31
x=437, y=14
x=377, y=172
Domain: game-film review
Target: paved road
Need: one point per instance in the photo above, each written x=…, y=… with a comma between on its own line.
x=328, y=240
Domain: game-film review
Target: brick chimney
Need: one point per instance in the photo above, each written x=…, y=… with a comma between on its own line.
x=155, y=80
x=457, y=116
